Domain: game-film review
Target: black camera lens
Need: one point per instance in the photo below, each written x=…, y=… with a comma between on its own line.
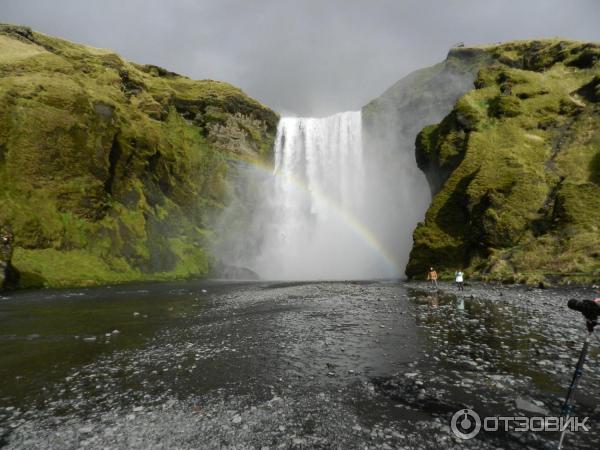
x=589, y=308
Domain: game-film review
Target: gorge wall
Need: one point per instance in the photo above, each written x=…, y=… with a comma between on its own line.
x=514, y=169
x=112, y=171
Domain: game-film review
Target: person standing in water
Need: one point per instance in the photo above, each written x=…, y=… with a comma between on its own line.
x=460, y=280
x=432, y=276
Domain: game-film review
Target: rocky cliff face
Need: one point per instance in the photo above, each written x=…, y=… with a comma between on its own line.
x=111, y=171
x=515, y=169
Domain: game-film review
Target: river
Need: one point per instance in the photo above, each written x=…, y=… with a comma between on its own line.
x=201, y=364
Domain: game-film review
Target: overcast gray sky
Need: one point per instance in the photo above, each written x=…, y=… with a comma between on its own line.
x=301, y=57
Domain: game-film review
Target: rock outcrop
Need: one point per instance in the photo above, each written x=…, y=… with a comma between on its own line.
x=515, y=169
x=112, y=171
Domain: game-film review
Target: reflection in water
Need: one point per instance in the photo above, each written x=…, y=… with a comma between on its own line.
x=499, y=337
x=460, y=304
x=490, y=354
x=433, y=300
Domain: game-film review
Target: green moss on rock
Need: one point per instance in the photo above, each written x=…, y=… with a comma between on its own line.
x=514, y=170
x=111, y=171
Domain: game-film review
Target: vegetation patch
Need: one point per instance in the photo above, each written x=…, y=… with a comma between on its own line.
x=111, y=171
x=515, y=169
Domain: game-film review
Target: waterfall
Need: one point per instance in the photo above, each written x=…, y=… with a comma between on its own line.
x=319, y=223
x=338, y=204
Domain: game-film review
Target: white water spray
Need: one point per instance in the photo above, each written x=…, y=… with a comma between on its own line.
x=319, y=228
x=335, y=207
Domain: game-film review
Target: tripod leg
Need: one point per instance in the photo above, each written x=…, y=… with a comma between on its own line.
x=567, y=408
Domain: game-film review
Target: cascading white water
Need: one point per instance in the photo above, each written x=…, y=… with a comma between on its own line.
x=319, y=227
x=341, y=203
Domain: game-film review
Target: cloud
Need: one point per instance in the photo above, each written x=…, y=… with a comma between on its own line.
x=301, y=57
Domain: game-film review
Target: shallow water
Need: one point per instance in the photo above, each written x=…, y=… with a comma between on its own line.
x=347, y=364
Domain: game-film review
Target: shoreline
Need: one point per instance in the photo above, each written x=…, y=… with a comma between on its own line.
x=510, y=292
x=482, y=289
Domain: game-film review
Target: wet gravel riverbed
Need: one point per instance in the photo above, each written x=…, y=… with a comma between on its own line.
x=287, y=365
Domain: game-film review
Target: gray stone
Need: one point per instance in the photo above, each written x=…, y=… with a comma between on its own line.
x=526, y=405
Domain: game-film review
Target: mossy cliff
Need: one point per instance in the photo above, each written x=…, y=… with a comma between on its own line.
x=514, y=169
x=112, y=171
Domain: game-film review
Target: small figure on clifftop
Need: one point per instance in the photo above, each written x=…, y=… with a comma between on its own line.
x=432, y=276
x=460, y=280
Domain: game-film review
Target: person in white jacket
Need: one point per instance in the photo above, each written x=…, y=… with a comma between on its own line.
x=460, y=280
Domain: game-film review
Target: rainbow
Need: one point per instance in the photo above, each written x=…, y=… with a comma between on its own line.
x=360, y=229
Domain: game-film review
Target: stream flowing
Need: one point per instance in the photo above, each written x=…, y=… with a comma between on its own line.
x=308, y=364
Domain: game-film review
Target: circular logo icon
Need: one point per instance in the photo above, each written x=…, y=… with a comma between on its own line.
x=465, y=423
